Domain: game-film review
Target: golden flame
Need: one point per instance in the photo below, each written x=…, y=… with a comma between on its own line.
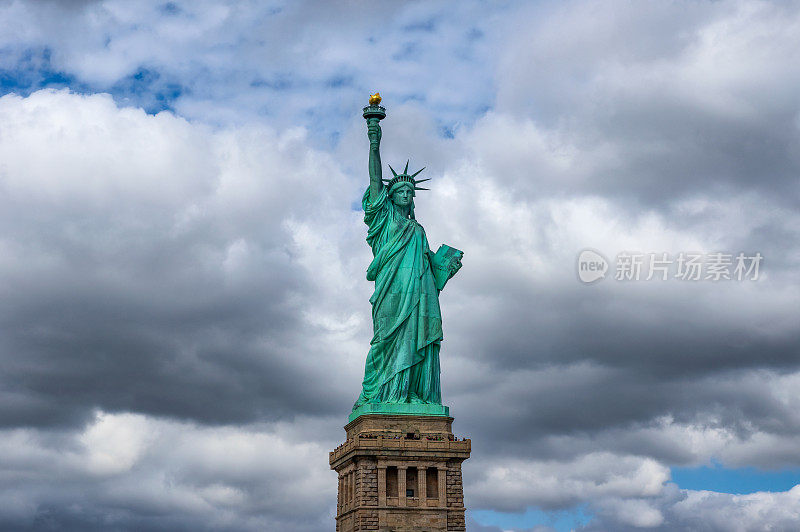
x=375, y=99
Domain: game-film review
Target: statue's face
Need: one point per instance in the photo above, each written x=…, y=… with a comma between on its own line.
x=403, y=196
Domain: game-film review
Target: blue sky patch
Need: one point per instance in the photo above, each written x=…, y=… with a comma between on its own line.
x=427, y=26
x=738, y=481
x=170, y=8
x=33, y=71
x=278, y=83
x=336, y=82
x=148, y=89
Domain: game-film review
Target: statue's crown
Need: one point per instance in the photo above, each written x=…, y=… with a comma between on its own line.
x=405, y=178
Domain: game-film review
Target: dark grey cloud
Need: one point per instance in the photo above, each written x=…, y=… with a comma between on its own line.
x=150, y=300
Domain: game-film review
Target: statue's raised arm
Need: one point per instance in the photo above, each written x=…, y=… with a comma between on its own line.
x=374, y=113
x=375, y=173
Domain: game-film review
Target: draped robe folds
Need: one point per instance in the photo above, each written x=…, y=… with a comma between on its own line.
x=403, y=361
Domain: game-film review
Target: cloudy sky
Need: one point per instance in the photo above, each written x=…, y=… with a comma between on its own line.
x=184, y=313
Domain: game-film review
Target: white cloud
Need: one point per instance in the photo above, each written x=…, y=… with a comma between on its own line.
x=634, y=512
x=513, y=485
x=113, y=444
x=245, y=477
x=722, y=511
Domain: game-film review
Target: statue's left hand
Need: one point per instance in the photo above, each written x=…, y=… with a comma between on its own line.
x=455, y=266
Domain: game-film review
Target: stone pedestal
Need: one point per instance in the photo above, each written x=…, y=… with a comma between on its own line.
x=400, y=473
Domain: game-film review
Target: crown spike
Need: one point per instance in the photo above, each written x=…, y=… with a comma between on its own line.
x=420, y=188
x=406, y=170
x=392, y=169
x=421, y=180
x=418, y=171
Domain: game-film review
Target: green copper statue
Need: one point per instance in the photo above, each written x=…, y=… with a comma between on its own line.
x=402, y=369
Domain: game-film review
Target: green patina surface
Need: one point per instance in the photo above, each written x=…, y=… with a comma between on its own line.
x=400, y=409
x=401, y=374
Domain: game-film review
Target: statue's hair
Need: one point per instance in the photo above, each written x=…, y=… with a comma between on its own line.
x=398, y=184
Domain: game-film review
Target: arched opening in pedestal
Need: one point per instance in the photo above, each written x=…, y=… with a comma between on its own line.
x=412, y=489
x=432, y=483
x=391, y=481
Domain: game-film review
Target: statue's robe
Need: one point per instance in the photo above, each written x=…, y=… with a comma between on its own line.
x=403, y=361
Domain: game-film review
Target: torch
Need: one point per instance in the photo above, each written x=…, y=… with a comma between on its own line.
x=374, y=113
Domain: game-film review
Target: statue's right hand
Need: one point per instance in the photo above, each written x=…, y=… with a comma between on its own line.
x=374, y=132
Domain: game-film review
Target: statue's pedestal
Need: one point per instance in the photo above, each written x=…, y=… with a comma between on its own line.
x=400, y=473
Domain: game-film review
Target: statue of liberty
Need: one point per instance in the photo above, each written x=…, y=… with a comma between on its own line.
x=402, y=368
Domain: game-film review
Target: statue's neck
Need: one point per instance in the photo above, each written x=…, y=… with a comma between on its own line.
x=403, y=210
